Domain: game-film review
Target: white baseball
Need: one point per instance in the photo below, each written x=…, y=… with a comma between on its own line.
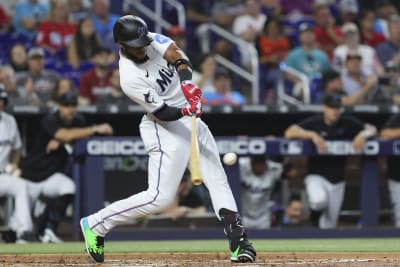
x=9, y=169
x=229, y=158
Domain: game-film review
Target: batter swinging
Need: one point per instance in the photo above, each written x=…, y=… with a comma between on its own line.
x=156, y=74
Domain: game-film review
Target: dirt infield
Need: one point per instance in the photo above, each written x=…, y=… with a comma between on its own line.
x=206, y=259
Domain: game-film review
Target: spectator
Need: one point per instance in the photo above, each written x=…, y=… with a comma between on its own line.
x=388, y=89
x=28, y=15
x=390, y=50
x=77, y=10
x=385, y=9
x=103, y=22
x=295, y=11
x=96, y=81
x=327, y=35
x=116, y=96
x=271, y=7
x=348, y=11
x=391, y=131
x=369, y=63
x=37, y=82
x=249, y=25
x=45, y=164
x=325, y=181
x=224, y=94
x=57, y=31
x=17, y=58
x=293, y=215
x=4, y=20
x=368, y=34
x=331, y=82
x=272, y=47
x=63, y=86
x=7, y=78
x=197, y=13
x=306, y=58
x=187, y=201
x=204, y=77
x=225, y=12
x=353, y=79
x=258, y=177
x=83, y=44
x=20, y=222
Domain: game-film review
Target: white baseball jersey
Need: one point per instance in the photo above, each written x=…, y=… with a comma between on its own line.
x=154, y=82
x=9, y=138
x=256, y=193
x=151, y=84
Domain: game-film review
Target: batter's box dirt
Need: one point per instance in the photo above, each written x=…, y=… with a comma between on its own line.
x=206, y=259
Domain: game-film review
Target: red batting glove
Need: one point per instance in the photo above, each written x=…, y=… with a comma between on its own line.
x=191, y=110
x=191, y=91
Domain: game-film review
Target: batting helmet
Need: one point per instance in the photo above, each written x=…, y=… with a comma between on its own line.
x=131, y=31
x=3, y=94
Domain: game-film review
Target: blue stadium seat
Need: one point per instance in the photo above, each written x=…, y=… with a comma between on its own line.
x=85, y=66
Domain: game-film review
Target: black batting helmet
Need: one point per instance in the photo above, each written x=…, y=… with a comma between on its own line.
x=3, y=94
x=131, y=31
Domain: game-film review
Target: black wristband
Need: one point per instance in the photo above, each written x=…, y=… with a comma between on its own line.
x=185, y=75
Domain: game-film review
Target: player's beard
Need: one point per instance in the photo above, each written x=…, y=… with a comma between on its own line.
x=133, y=58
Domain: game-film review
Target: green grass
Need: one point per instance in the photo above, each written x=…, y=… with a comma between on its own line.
x=262, y=245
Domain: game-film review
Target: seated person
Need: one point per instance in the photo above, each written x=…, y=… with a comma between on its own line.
x=187, y=200
x=293, y=214
x=224, y=94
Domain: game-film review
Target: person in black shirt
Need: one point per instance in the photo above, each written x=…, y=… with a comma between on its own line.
x=391, y=130
x=45, y=165
x=325, y=182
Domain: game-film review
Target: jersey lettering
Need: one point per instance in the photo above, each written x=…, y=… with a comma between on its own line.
x=165, y=81
x=149, y=98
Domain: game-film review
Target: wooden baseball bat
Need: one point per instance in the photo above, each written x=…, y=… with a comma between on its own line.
x=195, y=155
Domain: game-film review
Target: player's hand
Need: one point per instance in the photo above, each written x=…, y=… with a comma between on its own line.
x=191, y=91
x=104, y=129
x=191, y=110
x=358, y=143
x=319, y=143
x=52, y=145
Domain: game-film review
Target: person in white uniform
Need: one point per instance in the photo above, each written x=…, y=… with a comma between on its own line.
x=20, y=222
x=258, y=177
x=156, y=74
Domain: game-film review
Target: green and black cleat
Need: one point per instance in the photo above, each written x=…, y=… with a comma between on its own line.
x=94, y=243
x=244, y=252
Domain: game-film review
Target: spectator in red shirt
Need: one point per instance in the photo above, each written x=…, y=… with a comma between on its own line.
x=368, y=34
x=96, y=81
x=4, y=20
x=327, y=35
x=57, y=31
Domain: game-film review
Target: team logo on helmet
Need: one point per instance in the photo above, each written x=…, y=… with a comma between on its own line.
x=141, y=31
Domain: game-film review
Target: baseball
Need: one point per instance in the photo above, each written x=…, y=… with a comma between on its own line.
x=229, y=158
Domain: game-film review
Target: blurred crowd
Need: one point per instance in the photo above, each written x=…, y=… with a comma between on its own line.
x=346, y=46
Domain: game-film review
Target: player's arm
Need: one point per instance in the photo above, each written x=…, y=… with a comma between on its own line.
x=295, y=131
x=176, y=56
x=390, y=133
x=68, y=135
x=360, y=139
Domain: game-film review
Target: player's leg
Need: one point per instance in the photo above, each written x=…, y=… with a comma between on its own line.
x=317, y=197
x=20, y=221
x=57, y=191
x=335, y=199
x=168, y=157
x=224, y=204
x=394, y=189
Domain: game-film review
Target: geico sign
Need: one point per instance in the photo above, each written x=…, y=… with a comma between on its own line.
x=242, y=146
x=346, y=148
x=112, y=147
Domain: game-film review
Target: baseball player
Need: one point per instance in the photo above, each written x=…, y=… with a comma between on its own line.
x=156, y=74
x=325, y=182
x=391, y=130
x=258, y=177
x=20, y=221
x=44, y=167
